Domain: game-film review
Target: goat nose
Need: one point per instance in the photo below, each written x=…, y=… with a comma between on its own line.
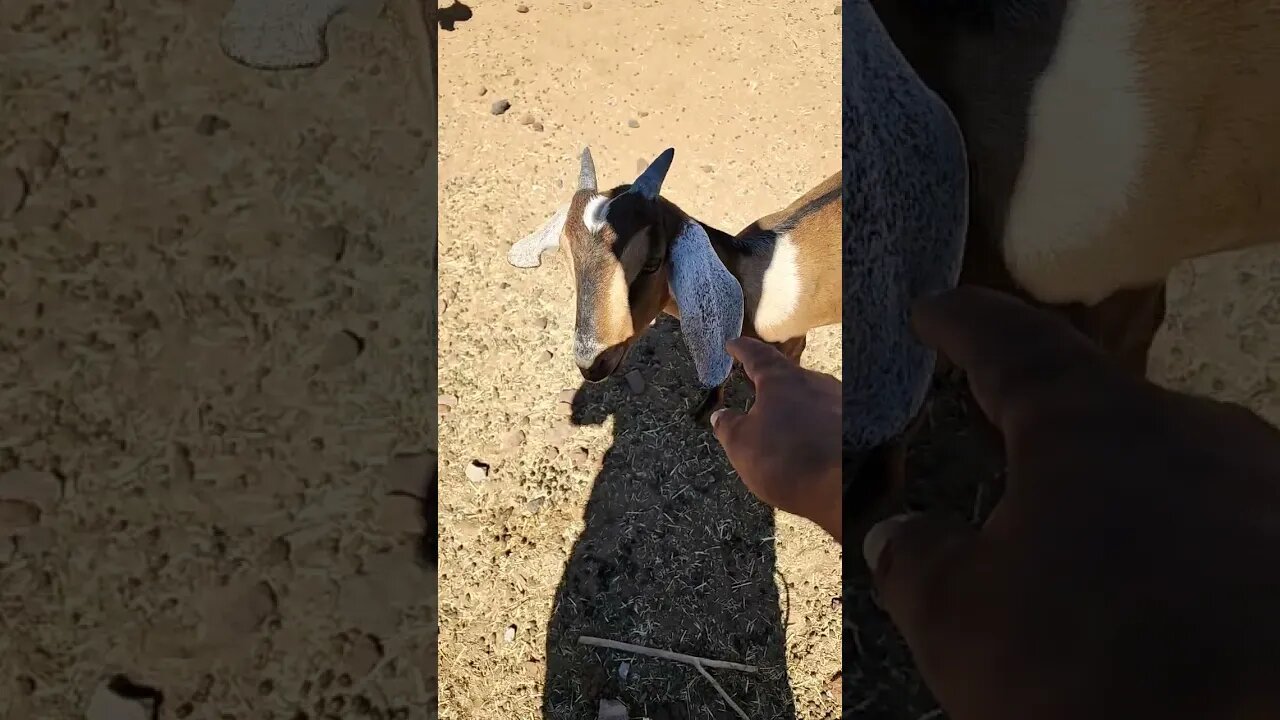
x=602, y=365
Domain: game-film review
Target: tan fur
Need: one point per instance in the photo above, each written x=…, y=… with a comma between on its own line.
x=1211, y=181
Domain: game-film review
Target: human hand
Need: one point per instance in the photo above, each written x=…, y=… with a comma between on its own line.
x=1128, y=571
x=786, y=448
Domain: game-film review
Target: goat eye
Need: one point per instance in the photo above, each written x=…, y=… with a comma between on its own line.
x=651, y=266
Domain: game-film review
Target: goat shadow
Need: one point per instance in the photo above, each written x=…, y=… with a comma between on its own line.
x=676, y=554
x=448, y=17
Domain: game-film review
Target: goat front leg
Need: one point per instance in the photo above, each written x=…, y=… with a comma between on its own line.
x=713, y=401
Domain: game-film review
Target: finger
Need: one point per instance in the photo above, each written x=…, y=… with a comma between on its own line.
x=756, y=357
x=917, y=561
x=725, y=424
x=1012, y=353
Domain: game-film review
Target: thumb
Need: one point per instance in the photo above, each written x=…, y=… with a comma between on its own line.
x=917, y=560
x=725, y=424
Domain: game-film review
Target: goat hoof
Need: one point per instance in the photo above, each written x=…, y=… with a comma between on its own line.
x=702, y=413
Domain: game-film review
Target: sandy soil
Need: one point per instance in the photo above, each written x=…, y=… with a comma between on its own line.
x=215, y=363
x=605, y=511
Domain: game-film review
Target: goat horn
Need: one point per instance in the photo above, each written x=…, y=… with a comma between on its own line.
x=649, y=184
x=587, y=174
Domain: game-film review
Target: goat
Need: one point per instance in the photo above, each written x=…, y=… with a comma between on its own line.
x=1107, y=141
x=635, y=254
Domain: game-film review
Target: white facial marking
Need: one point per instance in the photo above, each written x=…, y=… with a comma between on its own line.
x=1087, y=139
x=775, y=318
x=593, y=216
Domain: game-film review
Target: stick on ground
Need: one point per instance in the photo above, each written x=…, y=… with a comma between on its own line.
x=665, y=654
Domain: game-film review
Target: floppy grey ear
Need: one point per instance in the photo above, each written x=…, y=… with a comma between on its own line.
x=527, y=252
x=710, y=302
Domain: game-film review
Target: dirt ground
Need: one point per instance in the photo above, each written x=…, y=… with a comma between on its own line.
x=216, y=362
x=604, y=510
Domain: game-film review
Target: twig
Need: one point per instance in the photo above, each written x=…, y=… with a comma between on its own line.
x=741, y=713
x=665, y=654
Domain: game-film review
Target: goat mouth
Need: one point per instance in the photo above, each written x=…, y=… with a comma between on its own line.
x=605, y=365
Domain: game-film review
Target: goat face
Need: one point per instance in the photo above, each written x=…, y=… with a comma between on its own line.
x=634, y=254
x=617, y=242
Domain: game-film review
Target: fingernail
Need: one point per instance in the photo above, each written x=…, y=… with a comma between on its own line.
x=715, y=416
x=878, y=537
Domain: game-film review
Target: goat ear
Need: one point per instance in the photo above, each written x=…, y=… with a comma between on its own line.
x=710, y=302
x=527, y=252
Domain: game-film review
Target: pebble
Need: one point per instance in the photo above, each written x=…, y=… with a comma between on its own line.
x=624, y=670
x=612, y=710
x=477, y=472
x=13, y=191
x=586, y=6
x=400, y=514
x=329, y=241
x=561, y=432
x=35, y=157
x=210, y=124
x=512, y=440
x=17, y=515
x=240, y=609
x=837, y=10
x=534, y=505
x=342, y=348
x=106, y=704
x=542, y=322
x=633, y=123
x=509, y=635
x=409, y=473
x=579, y=456
x=635, y=381
x=364, y=655
x=538, y=127
x=522, y=8
x=483, y=90
x=527, y=119
x=499, y=106
x=40, y=488
x=545, y=356
x=566, y=395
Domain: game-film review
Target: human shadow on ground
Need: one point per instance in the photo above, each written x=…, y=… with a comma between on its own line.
x=676, y=555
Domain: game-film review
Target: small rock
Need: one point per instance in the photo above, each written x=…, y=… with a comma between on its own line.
x=837, y=10
x=240, y=609
x=277, y=553
x=624, y=670
x=512, y=440
x=363, y=656
x=612, y=710
x=579, y=456
x=401, y=514
x=586, y=6
x=707, y=168
x=328, y=242
x=642, y=113
x=633, y=123
x=545, y=356
x=527, y=119
x=522, y=8
x=534, y=505
x=35, y=158
x=40, y=488
x=483, y=90
x=448, y=400
x=635, y=381
x=17, y=515
x=499, y=106
x=477, y=472
x=409, y=473
x=13, y=192
x=210, y=124
x=537, y=127
x=541, y=323
x=566, y=396
x=108, y=704
x=343, y=348
x=561, y=432
x=509, y=635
